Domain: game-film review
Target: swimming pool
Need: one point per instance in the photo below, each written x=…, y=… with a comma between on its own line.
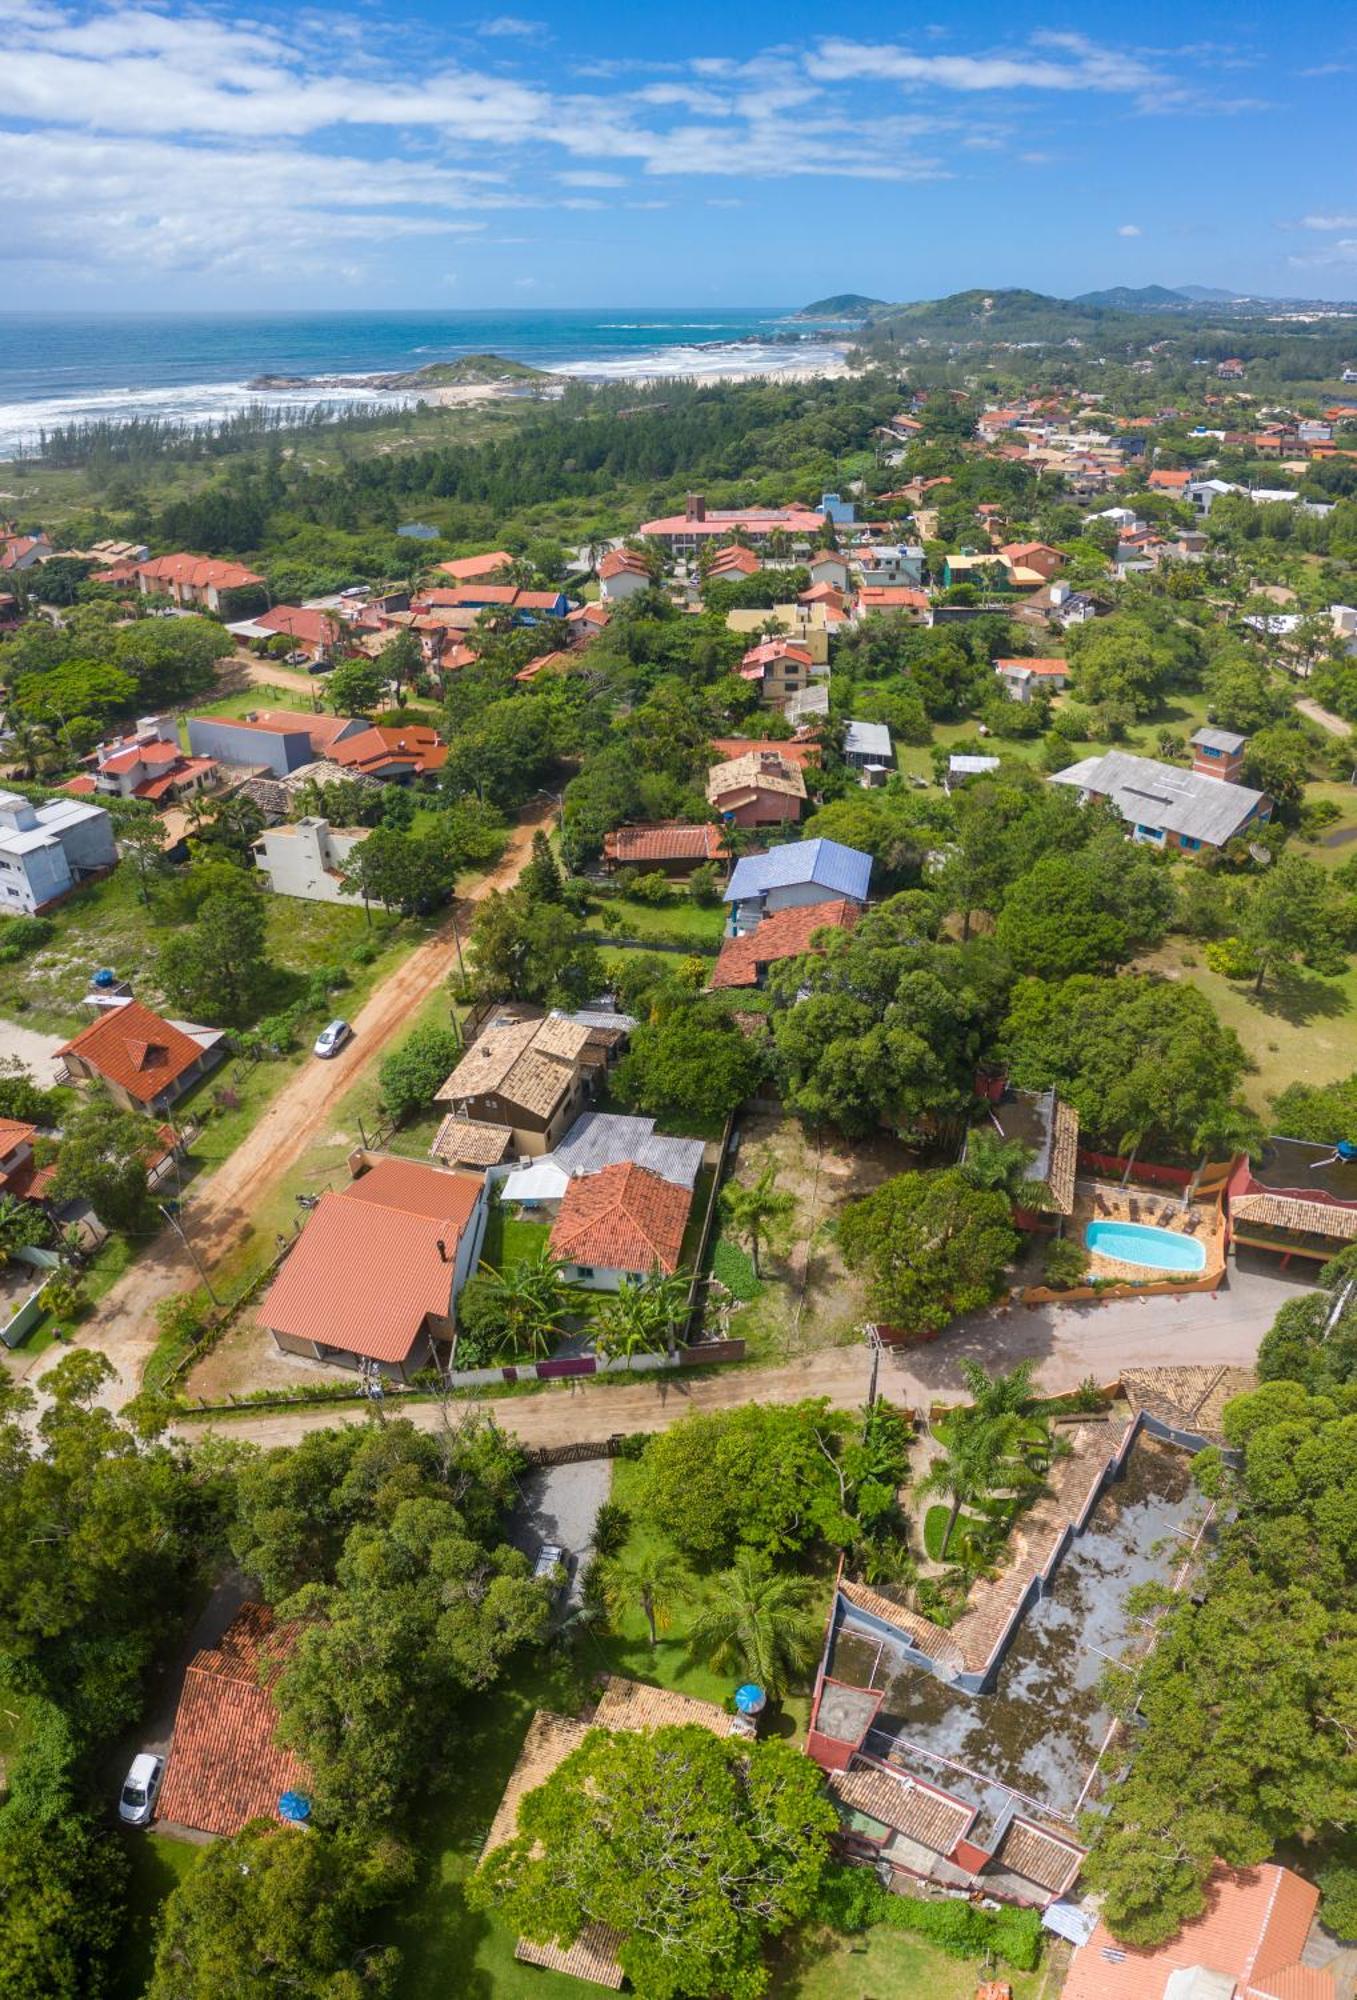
x=1139, y=1243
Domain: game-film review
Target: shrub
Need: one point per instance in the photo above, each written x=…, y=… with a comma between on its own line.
x=1065, y=1263
x=1231, y=958
x=850, y=1900
x=20, y=936
x=652, y=889
x=734, y=1267
x=704, y=885
x=1315, y=815
x=612, y=1524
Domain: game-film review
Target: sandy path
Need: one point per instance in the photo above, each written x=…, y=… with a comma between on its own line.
x=1065, y=1344
x=221, y=1207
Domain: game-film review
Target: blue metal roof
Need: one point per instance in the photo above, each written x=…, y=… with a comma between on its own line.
x=842, y=870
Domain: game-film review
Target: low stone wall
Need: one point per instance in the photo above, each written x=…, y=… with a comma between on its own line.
x=1045, y=1295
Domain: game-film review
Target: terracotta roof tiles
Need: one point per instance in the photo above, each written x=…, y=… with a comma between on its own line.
x=224, y=1767
x=622, y=1219
x=785, y=934
x=666, y=840
x=135, y=1049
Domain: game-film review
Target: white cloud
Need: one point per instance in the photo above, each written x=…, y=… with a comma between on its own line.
x=511, y=25
x=1129, y=229
x=585, y=177
x=1328, y=222
x=1342, y=251
x=1074, y=64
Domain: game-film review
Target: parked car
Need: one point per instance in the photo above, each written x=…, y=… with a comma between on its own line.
x=136, y=1802
x=554, y=1564
x=332, y=1038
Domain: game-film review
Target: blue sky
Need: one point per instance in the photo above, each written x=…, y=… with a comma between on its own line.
x=657, y=154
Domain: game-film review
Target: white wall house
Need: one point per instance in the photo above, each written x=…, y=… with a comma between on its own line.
x=307, y=859
x=46, y=851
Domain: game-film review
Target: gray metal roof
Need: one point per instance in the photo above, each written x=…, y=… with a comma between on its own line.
x=1165, y=797
x=604, y=1139
x=824, y=862
x=1220, y=739
x=867, y=739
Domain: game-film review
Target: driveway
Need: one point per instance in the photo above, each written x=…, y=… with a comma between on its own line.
x=1067, y=1343
x=560, y=1504
x=35, y=1051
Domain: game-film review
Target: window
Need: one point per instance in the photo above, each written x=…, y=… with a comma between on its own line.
x=1188, y=845
x=584, y=1270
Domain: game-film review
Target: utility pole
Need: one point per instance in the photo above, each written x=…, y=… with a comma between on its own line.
x=177, y=1226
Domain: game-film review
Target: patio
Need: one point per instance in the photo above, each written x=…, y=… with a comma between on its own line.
x=1105, y=1201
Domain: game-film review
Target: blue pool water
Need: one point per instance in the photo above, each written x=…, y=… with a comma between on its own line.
x=1138, y=1243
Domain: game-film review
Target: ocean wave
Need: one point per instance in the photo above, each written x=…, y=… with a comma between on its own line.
x=706, y=358
x=188, y=403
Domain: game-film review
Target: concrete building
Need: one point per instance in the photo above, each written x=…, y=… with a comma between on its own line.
x=143, y=1061
x=623, y=574
x=46, y=851
x=761, y=787
x=867, y=747
x=307, y=859
x=280, y=746
x=199, y=583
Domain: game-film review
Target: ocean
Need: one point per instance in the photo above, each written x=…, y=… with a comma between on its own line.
x=59, y=368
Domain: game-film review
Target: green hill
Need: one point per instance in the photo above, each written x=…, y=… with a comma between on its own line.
x=843, y=305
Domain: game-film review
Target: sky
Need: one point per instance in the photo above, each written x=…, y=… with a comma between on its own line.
x=240, y=156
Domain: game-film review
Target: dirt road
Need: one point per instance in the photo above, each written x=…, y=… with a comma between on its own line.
x=1325, y=718
x=221, y=1208
x=1066, y=1344
x=243, y=670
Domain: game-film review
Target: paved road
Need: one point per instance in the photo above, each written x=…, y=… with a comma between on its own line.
x=1067, y=1343
x=223, y=1205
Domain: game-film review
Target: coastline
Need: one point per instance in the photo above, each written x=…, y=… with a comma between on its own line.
x=743, y=356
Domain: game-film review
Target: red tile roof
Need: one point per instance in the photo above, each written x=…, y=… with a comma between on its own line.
x=323, y=730
x=1169, y=481
x=1050, y=666
x=623, y=562
x=786, y=934
x=197, y=572
x=891, y=597
x=373, y=749
x=224, y=1767
x=13, y=1134
x=622, y=1219
x=669, y=840
x=366, y=1270
x=136, y=1049
x=1253, y=1930
x=314, y=628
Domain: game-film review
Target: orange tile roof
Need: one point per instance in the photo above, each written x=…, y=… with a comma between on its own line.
x=314, y=628
x=1253, y=1930
x=366, y=1270
x=741, y=746
x=1051, y=666
x=467, y=569
x=135, y=1049
x=891, y=597
x=623, y=562
x=197, y=572
x=224, y=1767
x=13, y=1133
x=376, y=747
x=666, y=841
x=323, y=730
x=622, y=1219
x=786, y=934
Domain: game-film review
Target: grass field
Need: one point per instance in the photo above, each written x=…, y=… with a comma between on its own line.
x=157, y=1865
x=882, y=1962
x=510, y=1239
x=1302, y=1028
x=679, y=917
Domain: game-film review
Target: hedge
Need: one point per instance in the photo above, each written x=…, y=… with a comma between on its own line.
x=852, y=1900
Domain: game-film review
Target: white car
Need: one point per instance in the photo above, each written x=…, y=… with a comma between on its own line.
x=332, y=1038
x=136, y=1802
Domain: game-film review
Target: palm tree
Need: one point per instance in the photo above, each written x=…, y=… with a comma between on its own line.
x=23, y=1225
x=651, y=1579
x=639, y=1317
x=30, y=745
x=968, y=1471
x=755, y=1212
x=758, y=1621
x=534, y=1297
x=998, y=1165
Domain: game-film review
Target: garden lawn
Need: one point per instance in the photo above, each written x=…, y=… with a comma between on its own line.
x=509, y=1240
x=823, y=1966
x=1302, y=1028
x=157, y=1865
x=680, y=916
x=1182, y=713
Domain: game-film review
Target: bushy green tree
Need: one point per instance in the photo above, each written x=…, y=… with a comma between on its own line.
x=930, y=1246
x=695, y=1848
x=411, y=1074
x=693, y=1064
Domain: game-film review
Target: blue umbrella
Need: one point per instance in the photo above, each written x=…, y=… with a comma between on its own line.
x=294, y=1807
x=750, y=1699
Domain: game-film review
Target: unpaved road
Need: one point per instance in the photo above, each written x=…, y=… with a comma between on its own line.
x=1066, y=1343
x=221, y=1207
x=1325, y=718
